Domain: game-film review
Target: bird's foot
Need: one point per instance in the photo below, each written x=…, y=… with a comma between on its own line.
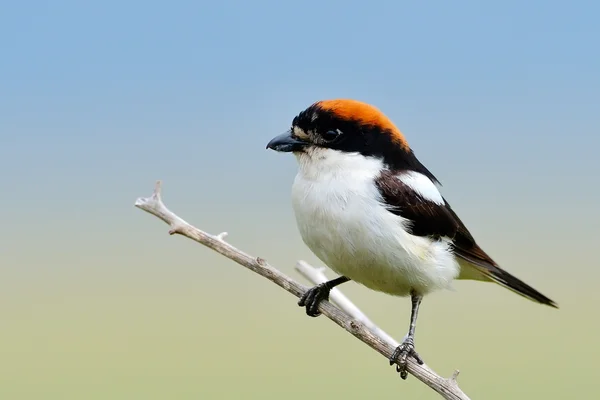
x=401, y=354
x=313, y=297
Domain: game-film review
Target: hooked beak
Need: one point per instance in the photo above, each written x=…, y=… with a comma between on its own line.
x=286, y=143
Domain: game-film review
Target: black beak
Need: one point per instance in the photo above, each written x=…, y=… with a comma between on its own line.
x=286, y=143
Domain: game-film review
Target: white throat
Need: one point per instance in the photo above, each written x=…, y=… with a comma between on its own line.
x=319, y=164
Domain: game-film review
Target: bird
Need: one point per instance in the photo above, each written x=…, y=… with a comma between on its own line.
x=373, y=213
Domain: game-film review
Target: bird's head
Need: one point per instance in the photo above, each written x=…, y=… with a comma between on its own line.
x=341, y=129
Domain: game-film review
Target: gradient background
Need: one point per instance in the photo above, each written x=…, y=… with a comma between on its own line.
x=500, y=101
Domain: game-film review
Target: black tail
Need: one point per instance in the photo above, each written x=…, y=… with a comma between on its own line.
x=513, y=283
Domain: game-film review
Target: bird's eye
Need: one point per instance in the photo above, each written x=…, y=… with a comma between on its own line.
x=330, y=136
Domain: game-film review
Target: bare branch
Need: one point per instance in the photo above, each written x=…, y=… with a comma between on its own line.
x=316, y=276
x=351, y=319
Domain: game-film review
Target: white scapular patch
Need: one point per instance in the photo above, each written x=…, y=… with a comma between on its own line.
x=422, y=185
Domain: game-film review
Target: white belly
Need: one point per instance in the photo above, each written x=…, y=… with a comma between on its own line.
x=342, y=221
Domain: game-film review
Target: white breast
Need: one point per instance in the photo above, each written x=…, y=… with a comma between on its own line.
x=342, y=220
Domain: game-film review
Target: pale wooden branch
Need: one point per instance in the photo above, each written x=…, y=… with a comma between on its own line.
x=316, y=276
x=351, y=319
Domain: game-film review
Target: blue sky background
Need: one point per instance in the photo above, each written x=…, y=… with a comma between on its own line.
x=97, y=101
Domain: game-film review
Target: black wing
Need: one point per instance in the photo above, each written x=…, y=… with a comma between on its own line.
x=437, y=221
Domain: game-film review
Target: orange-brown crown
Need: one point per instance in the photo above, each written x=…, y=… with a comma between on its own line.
x=363, y=113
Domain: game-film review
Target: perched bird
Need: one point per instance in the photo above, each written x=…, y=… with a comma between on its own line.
x=367, y=207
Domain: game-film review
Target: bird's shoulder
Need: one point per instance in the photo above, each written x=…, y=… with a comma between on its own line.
x=415, y=197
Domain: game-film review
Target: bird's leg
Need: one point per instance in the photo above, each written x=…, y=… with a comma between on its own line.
x=315, y=295
x=407, y=348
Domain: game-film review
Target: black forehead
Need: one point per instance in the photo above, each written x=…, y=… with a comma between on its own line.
x=314, y=118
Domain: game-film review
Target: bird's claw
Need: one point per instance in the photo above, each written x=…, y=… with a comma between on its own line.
x=401, y=354
x=313, y=297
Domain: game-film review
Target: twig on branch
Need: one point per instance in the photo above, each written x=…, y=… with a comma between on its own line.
x=348, y=316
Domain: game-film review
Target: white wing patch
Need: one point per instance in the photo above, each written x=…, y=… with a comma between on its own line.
x=422, y=185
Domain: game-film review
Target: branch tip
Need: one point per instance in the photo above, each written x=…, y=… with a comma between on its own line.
x=454, y=376
x=176, y=229
x=221, y=236
x=156, y=195
x=261, y=261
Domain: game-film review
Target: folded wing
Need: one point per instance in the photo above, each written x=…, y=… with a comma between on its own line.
x=416, y=198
